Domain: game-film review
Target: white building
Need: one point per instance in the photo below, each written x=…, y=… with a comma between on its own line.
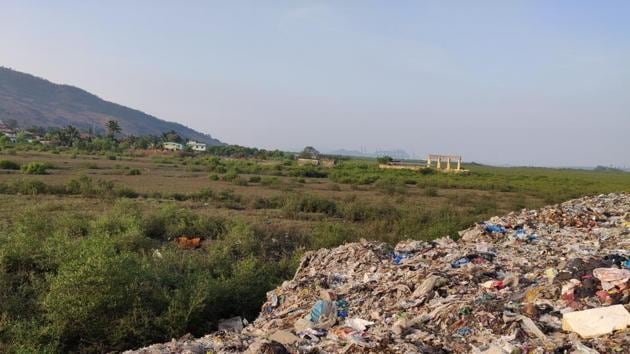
x=11, y=136
x=196, y=146
x=169, y=145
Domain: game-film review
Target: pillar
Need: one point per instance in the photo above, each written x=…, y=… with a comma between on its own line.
x=438, y=162
x=429, y=161
x=448, y=163
x=459, y=164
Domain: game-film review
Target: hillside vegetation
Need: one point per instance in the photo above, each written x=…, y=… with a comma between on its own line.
x=33, y=101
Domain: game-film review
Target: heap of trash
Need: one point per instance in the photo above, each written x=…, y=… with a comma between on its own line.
x=554, y=280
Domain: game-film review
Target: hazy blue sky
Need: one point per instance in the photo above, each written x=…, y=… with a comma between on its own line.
x=519, y=82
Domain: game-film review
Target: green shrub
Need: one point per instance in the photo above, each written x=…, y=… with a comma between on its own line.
x=9, y=165
x=31, y=187
x=230, y=176
x=133, y=172
x=269, y=181
x=170, y=222
x=327, y=234
x=126, y=192
x=203, y=195
x=213, y=177
x=35, y=168
x=254, y=179
x=427, y=171
x=308, y=171
x=82, y=185
x=307, y=203
x=391, y=185
x=267, y=203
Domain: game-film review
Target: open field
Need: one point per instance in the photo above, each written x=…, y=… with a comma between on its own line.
x=88, y=261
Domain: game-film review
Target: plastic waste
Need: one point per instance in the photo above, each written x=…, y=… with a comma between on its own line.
x=398, y=258
x=342, y=308
x=597, y=321
x=460, y=262
x=611, y=277
x=358, y=324
x=494, y=229
x=464, y=331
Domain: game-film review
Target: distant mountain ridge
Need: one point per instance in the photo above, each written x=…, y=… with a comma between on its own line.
x=33, y=101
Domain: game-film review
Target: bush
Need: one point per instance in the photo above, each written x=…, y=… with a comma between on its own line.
x=427, y=171
x=266, y=203
x=9, y=165
x=270, y=181
x=126, y=192
x=391, y=186
x=327, y=234
x=213, y=177
x=170, y=222
x=230, y=176
x=82, y=185
x=77, y=283
x=35, y=168
x=203, y=195
x=31, y=187
x=308, y=204
x=254, y=179
x=384, y=160
x=308, y=171
x=134, y=172
x=85, y=186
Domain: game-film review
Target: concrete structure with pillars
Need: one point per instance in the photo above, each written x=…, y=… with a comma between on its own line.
x=447, y=158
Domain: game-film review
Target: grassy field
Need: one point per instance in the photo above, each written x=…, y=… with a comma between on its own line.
x=88, y=261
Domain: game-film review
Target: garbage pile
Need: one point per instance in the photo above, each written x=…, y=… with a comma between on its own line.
x=554, y=280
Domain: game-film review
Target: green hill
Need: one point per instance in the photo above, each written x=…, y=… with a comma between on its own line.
x=33, y=101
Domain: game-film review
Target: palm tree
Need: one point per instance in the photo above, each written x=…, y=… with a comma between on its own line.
x=113, y=128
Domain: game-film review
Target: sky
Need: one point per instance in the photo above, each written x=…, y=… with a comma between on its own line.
x=543, y=83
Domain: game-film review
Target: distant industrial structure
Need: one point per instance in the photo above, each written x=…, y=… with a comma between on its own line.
x=439, y=164
x=448, y=158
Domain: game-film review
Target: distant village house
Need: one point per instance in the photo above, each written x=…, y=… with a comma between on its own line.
x=310, y=156
x=7, y=131
x=316, y=162
x=196, y=146
x=172, y=146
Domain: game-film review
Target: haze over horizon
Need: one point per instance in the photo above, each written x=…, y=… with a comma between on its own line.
x=519, y=82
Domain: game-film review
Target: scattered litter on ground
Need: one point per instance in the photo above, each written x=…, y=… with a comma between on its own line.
x=553, y=280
